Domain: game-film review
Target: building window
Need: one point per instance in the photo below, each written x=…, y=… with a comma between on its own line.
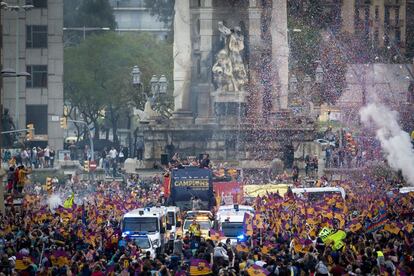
x=37, y=3
x=376, y=36
x=387, y=16
x=36, y=36
x=397, y=16
x=37, y=115
x=38, y=78
x=397, y=36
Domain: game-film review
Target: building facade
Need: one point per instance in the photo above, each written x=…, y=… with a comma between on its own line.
x=383, y=21
x=33, y=43
x=133, y=16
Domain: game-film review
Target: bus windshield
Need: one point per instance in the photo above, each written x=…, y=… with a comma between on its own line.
x=232, y=229
x=140, y=225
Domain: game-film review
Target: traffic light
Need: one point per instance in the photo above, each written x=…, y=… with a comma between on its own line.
x=86, y=165
x=49, y=187
x=30, y=132
x=64, y=122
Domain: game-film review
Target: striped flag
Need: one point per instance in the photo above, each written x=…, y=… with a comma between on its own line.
x=248, y=224
x=216, y=235
x=256, y=270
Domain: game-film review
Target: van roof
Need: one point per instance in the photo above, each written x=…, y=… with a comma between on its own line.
x=142, y=212
x=405, y=190
x=319, y=190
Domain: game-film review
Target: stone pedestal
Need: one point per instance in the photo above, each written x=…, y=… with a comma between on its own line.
x=229, y=96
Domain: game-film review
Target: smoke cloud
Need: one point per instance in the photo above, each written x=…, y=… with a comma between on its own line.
x=54, y=201
x=395, y=142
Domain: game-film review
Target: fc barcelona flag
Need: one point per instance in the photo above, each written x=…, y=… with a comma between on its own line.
x=256, y=270
x=200, y=267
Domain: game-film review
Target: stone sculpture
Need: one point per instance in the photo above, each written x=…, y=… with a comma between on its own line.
x=229, y=71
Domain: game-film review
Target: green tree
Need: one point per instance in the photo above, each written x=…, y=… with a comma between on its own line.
x=163, y=9
x=97, y=77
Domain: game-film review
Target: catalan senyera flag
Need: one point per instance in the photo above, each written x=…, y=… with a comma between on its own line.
x=22, y=262
x=258, y=221
x=355, y=226
x=256, y=270
x=216, y=235
x=200, y=267
x=267, y=247
x=248, y=224
x=242, y=247
x=392, y=228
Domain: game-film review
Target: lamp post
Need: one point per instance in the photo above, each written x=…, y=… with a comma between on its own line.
x=17, y=9
x=158, y=87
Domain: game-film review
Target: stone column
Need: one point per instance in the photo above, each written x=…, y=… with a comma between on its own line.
x=280, y=55
x=348, y=14
x=255, y=46
x=205, y=102
x=182, y=59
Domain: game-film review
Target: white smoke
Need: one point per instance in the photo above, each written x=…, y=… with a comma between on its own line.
x=395, y=142
x=54, y=201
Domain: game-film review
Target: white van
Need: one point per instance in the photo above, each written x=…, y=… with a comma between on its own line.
x=229, y=219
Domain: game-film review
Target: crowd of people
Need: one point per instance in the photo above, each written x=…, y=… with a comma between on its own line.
x=286, y=235
x=35, y=157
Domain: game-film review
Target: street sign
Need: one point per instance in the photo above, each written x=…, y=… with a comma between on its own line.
x=92, y=166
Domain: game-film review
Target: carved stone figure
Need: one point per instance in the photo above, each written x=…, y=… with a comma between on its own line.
x=229, y=71
x=223, y=72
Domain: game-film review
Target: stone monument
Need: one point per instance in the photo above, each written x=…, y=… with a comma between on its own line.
x=230, y=84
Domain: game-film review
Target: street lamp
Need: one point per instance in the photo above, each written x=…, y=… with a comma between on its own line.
x=162, y=85
x=319, y=74
x=17, y=9
x=136, y=75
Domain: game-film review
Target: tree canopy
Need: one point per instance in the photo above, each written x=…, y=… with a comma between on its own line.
x=88, y=13
x=98, y=80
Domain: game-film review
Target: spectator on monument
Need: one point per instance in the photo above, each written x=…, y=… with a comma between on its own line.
x=121, y=155
x=25, y=157
x=295, y=173
x=47, y=157
x=140, y=148
x=41, y=157
x=34, y=158
x=52, y=155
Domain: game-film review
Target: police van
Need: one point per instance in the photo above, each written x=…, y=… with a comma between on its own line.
x=157, y=222
x=229, y=220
